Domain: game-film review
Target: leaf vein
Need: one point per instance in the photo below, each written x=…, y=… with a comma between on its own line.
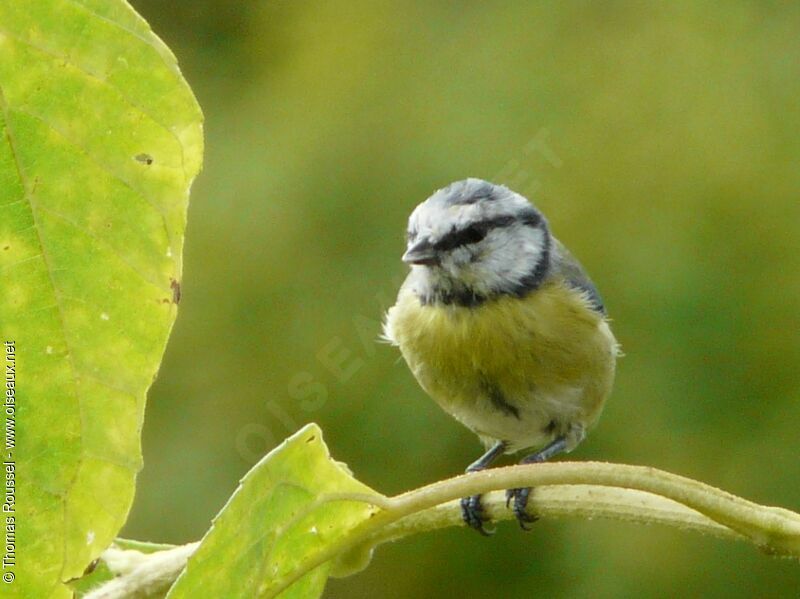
x=105, y=19
x=94, y=76
x=67, y=344
x=104, y=168
x=134, y=394
x=18, y=262
x=113, y=461
x=108, y=246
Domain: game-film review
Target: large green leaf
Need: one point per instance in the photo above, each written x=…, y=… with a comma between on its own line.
x=291, y=506
x=100, y=139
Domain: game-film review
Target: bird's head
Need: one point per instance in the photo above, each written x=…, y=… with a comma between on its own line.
x=474, y=240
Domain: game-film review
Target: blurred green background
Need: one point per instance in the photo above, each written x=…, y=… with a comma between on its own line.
x=670, y=165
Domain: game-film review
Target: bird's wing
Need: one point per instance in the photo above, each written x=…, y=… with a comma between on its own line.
x=563, y=264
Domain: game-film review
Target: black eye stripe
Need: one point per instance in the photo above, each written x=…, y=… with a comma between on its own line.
x=500, y=221
x=477, y=231
x=530, y=218
x=472, y=234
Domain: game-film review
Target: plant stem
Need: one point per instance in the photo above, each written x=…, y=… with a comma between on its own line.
x=575, y=489
x=773, y=530
x=559, y=501
x=141, y=575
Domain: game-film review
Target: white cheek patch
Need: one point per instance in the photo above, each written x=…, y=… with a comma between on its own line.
x=511, y=254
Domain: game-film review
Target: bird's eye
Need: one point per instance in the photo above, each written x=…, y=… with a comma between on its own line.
x=473, y=234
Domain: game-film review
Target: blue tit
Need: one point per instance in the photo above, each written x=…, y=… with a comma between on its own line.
x=502, y=327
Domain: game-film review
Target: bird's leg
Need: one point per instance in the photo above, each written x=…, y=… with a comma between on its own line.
x=471, y=508
x=520, y=496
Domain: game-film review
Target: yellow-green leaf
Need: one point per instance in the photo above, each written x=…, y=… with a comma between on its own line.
x=289, y=508
x=100, y=139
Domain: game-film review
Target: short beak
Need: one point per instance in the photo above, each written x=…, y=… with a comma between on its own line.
x=422, y=252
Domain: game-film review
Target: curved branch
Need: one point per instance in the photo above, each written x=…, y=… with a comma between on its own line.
x=562, y=501
x=775, y=530
x=577, y=489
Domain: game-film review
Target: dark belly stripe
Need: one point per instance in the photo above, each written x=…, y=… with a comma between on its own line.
x=499, y=401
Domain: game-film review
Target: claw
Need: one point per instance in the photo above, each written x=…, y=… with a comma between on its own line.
x=520, y=497
x=472, y=514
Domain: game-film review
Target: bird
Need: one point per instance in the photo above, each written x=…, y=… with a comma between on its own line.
x=502, y=327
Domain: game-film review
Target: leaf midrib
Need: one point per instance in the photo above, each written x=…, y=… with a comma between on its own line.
x=9, y=134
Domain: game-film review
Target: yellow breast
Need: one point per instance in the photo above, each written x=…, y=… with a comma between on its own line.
x=513, y=369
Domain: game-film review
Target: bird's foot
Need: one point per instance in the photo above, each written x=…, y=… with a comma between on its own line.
x=520, y=498
x=473, y=515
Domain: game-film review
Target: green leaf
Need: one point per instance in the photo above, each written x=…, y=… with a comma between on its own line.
x=291, y=506
x=100, y=139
